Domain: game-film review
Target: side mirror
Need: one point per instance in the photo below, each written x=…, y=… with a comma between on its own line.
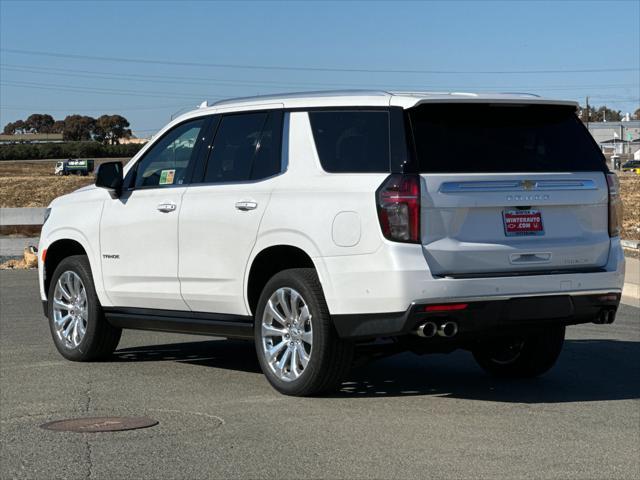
x=109, y=176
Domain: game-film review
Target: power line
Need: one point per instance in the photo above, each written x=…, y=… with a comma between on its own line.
x=308, y=68
x=633, y=100
x=105, y=91
x=622, y=99
x=84, y=109
x=141, y=77
x=161, y=94
x=265, y=83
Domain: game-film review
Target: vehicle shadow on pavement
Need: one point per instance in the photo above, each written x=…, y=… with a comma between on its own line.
x=227, y=354
x=588, y=370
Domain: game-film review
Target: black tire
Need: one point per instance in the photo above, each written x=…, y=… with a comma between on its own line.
x=524, y=357
x=330, y=358
x=101, y=338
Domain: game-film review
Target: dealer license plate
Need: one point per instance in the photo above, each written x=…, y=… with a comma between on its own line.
x=522, y=222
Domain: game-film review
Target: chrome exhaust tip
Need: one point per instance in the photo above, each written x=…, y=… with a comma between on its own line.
x=448, y=329
x=427, y=330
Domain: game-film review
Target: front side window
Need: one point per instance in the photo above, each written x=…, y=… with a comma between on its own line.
x=246, y=147
x=168, y=162
x=352, y=141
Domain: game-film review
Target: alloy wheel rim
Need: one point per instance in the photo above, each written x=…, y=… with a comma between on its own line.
x=70, y=309
x=287, y=334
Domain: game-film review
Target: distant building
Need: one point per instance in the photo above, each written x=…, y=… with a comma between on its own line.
x=620, y=138
x=136, y=140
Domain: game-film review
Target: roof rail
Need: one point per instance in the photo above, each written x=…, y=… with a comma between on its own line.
x=525, y=94
x=293, y=95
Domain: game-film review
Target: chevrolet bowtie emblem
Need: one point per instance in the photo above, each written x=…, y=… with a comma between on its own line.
x=528, y=184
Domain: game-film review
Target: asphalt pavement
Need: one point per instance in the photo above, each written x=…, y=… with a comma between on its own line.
x=406, y=416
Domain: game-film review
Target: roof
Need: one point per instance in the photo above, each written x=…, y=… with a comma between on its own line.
x=359, y=98
x=371, y=98
x=356, y=98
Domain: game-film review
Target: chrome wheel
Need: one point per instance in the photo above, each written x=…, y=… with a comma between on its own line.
x=70, y=309
x=286, y=332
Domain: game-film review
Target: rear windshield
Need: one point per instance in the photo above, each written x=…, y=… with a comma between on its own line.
x=478, y=138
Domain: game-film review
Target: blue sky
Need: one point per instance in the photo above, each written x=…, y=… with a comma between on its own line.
x=388, y=39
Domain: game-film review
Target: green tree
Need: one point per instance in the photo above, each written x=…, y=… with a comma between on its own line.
x=9, y=128
x=39, y=123
x=110, y=129
x=78, y=127
x=58, y=126
x=604, y=113
x=636, y=114
x=14, y=128
x=600, y=114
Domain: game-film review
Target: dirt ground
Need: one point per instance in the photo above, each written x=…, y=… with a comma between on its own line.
x=630, y=191
x=32, y=184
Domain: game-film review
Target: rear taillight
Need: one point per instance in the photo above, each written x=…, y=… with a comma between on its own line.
x=615, y=205
x=398, y=200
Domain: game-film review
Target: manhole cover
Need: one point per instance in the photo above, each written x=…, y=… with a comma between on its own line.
x=99, y=424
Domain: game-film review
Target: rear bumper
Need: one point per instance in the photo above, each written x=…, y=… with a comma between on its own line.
x=485, y=316
x=397, y=275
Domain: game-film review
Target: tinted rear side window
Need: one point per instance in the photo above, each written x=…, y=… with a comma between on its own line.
x=352, y=141
x=246, y=147
x=476, y=138
x=268, y=159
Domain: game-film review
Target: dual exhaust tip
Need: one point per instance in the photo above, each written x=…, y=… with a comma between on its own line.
x=606, y=317
x=431, y=329
x=450, y=329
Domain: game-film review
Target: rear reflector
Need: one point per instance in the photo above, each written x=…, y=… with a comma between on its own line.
x=446, y=308
x=44, y=255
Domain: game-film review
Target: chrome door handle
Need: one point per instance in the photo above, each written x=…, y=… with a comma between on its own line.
x=167, y=207
x=246, y=206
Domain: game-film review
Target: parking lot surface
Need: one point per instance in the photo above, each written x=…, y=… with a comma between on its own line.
x=406, y=416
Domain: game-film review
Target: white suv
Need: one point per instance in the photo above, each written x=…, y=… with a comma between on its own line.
x=315, y=222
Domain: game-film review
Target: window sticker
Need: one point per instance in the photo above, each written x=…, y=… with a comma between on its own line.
x=166, y=177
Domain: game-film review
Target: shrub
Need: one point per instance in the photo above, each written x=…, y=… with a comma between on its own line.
x=37, y=151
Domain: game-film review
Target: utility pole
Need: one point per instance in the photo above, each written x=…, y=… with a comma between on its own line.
x=587, y=112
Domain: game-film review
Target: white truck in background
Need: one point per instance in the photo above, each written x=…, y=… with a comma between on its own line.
x=73, y=166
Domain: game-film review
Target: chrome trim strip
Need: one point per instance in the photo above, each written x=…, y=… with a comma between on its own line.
x=489, y=298
x=517, y=185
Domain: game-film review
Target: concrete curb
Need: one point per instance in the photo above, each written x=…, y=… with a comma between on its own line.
x=12, y=248
x=21, y=216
